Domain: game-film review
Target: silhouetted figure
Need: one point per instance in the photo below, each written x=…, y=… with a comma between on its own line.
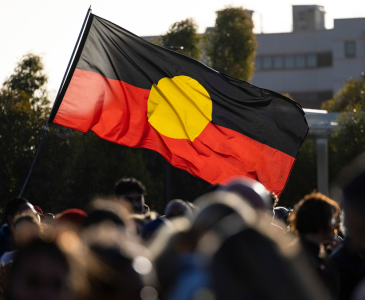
x=13, y=208
x=132, y=191
x=178, y=208
x=313, y=220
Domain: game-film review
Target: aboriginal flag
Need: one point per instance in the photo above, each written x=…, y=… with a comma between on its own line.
x=134, y=93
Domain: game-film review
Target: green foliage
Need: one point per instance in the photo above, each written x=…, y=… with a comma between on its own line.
x=344, y=145
x=350, y=97
x=184, y=33
x=23, y=112
x=231, y=45
x=348, y=141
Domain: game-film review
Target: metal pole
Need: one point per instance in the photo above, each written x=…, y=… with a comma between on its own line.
x=167, y=166
x=58, y=93
x=322, y=165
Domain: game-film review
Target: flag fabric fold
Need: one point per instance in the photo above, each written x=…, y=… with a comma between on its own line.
x=134, y=93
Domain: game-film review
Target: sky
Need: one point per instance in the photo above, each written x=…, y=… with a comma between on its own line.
x=50, y=28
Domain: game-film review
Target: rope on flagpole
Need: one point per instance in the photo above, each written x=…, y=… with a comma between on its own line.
x=58, y=93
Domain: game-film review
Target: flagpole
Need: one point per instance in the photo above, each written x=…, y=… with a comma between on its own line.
x=54, y=104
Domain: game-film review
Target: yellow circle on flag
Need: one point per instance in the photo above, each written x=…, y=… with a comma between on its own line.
x=179, y=107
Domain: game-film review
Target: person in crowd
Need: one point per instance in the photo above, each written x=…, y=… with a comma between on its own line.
x=70, y=219
x=132, y=191
x=252, y=191
x=281, y=215
x=350, y=265
x=258, y=197
x=336, y=240
x=183, y=265
x=313, y=219
x=349, y=257
x=178, y=208
x=115, y=263
x=40, y=271
x=150, y=229
x=139, y=222
x=12, y=208
x=351, y=184
x=49, y=219
x=151, y=216
x=100, y=211
x=26, y=229
x=194, y=209
x=39, y=212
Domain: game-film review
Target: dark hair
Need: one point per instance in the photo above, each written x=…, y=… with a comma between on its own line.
x=281, y=212
x=12, y=208
x=313, y=214
x=27, y=218
x=129, y=185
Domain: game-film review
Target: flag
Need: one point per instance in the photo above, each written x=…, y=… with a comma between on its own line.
x=134, y=93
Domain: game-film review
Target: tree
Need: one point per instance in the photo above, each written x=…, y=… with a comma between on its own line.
x=231, y=45
x=351, y=97
x=347, y=142
x=23, y=109
x=184, y=33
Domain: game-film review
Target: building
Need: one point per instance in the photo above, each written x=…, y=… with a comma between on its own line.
x=311, y=63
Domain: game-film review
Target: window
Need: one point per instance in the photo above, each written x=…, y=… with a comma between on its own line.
x=289, y=61
x=267, y=64
x=324, y=59
x=278, y=62
x=311, y=60
x=258, y=63
x=300, y=61
x=350, y=49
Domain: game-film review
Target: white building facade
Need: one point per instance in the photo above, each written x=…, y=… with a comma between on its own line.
x=311, y=63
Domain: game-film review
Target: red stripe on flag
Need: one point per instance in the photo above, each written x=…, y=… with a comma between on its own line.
x=117, y=112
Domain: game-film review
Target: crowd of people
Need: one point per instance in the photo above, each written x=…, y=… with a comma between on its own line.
x=233, y=242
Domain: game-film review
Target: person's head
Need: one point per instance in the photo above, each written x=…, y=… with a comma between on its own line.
x=26, y=229
x=16, y=206
x=132, y=191
x=40, y=271
x=314, y=216
x=282, y=213
x=71, y=218
x=110, y=262
x=178, y=208
x=252, y=191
